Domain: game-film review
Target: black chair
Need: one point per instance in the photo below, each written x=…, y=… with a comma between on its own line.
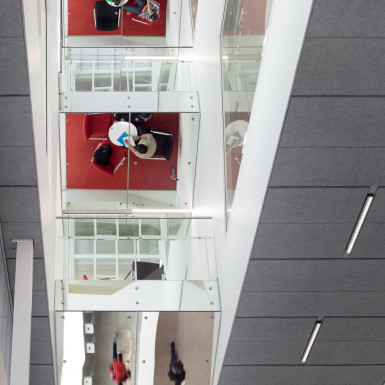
x=164, y=144
x=106, y=17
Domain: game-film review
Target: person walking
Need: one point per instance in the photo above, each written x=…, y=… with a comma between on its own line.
x=176, y=372
x=118, y=371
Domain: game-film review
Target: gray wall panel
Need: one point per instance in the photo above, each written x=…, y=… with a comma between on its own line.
x=19, y=204
x=272, y=329
x=13, y=71
x=370, y=242
x=11, y=11
x=302, y=375
x=341, y=67
x=313, y=205
x=41, y=375
x=315, y=275
x=334, y=122
x=15, y=121
x=20, y=168
x=39, y=328
x=352, y=329
x=22, y=231
x=347, y=353
x=39, y=304
x=41, y=352
x=265, y=352
x=347, y=18
x=329, y=167
x=311, y=304
x=301, y=240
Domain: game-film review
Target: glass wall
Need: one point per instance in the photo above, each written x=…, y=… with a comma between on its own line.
x=243, y=34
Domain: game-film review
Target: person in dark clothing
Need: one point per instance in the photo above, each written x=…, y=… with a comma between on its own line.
x=176, y=372
x=118, y=371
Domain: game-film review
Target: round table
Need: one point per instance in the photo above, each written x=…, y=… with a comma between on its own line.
x=120, y=130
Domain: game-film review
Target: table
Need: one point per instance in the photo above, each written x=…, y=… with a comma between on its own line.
x=120, y=130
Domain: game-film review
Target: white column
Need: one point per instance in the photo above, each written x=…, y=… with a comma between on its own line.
x=21, y=335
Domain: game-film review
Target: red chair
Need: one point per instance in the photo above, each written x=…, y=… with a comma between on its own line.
x=96, y=126
x=119, y=154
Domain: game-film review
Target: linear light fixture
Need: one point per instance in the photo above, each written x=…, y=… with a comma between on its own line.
x=360, y=222
x=311, y=341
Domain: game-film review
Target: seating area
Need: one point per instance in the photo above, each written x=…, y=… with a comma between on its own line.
x=86, y=133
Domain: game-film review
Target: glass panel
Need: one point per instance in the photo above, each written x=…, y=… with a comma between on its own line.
x=128, y=227
x=106, y=268
x=125, y=268
x=126, y=247
x=242, y=44
x=101, y=25
x=105, y=247
x=83, y=266
x=150, y=227
x=106, y=227
x=84, y=227
x=83, y=246
x=127, y=182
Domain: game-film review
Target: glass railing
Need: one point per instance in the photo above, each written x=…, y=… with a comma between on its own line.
x=144, y=341
x=165, y=181
x=150, y=264
x=102, y=24
x=127, y=70
x=243, y=35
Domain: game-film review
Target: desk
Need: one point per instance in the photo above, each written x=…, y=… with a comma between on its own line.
x=120, y=130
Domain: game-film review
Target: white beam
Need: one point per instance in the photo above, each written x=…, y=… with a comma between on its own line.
x=22, y=313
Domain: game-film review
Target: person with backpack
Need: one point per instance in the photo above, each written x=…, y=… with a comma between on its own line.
x=176, y=372
x=118, y=371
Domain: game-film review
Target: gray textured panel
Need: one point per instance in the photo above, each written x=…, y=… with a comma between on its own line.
x=302, y=375
x=311, y=304
x=377, y=209
x=315, y=275
x=41, y=375
x=334, y=122
x=22, y=231
x=301, y=240
x=347, y=18
x=40, y=329
x=10, y=12
x=13, y=71
x=272, y=329
x=264, y=352
x=352, y=329
x=39, y=303
x=313, y=205
x=347, y=353
x=21, y=169
x=39, y=275
x=41, y=352
x=341, y=67
x=370, y=242
x=329, y=167
x=15, y=121
x=19, y=204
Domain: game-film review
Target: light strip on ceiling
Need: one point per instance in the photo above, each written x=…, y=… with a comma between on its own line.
x=359, y=223
x=311, y=341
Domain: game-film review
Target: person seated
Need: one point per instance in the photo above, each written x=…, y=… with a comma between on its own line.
x=145, y=145
x=141, y=8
